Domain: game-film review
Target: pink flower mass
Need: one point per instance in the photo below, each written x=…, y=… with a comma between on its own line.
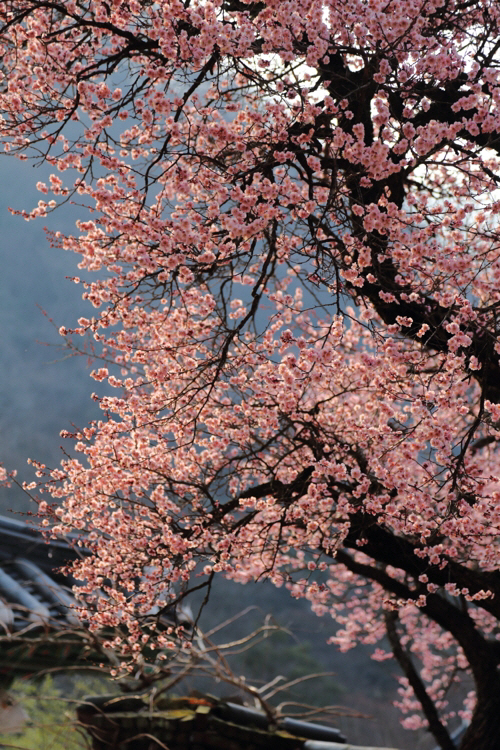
x=292, y=260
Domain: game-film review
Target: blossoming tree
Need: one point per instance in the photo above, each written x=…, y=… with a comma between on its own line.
x=292, y=251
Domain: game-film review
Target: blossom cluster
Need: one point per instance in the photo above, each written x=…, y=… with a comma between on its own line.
x=292, y=261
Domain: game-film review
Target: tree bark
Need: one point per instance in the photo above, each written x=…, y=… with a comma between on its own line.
x=484, y=730
x=436, y=726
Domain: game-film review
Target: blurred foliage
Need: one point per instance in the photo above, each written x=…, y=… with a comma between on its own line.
x=50, y=704
x=277, y=658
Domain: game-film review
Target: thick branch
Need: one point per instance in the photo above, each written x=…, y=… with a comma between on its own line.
x=436, y=727
x=481, y=654
x=384, y=546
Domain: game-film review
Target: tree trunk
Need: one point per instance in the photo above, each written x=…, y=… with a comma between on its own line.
x=484, y=730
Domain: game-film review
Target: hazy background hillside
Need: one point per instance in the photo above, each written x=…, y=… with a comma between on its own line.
x=43, y=391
